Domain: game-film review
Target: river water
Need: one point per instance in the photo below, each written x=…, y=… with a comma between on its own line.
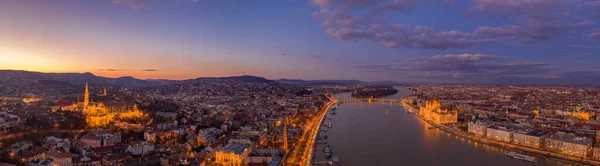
x=363, y=134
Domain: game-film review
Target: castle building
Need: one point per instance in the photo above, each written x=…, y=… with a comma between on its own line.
x=433, y=111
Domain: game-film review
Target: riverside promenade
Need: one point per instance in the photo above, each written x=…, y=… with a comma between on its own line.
x=314, y=135
x=504, y=145
x=301, y=153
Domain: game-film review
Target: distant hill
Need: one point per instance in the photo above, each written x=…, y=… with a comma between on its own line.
x=76, y=78
x=318, y=82
x=336, y=82
x=248, y=78
x=243, y=78
x=125, y=81
x=387, y=83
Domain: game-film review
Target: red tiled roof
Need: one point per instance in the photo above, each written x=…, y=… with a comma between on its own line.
x=102, y=149
x=60, y=155
x=91, y=136
x=32, y=153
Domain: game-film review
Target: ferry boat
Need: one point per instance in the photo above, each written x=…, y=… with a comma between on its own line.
x=335, y=161
x=328, y=152
x=521, y=156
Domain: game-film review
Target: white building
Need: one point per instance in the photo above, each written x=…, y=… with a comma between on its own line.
x=530, y=138
x=479, y=127
x=262, y=156
x=241, y=140
x=61, y=159
x=58, y=144
x=208, y=136
x=568, y=144
x=101, y=138
x=597, y=152
x=150, y=136
x=140, y=148
x=500, y=133
x=9, y=121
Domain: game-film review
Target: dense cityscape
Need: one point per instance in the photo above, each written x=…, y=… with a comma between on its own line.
x=558, y=122
x=250, y=120
x=299, y=82
x=214, y=121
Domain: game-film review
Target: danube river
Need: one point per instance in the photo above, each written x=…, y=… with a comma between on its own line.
x=364, y=134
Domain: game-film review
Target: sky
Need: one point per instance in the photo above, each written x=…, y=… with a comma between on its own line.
x=429, y=41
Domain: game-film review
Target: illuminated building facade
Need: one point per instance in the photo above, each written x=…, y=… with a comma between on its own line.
x=582, y=115
x=479, y=127
x=500, y=133
x=568, y=144
x=98, y=115
x=31, y=100
x=432, y=111
x=530, y=138
x=597, y=152
x=233, y=154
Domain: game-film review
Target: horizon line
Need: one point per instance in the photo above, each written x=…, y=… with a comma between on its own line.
x=189, y=78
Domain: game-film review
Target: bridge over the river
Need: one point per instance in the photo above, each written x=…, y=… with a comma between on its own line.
x=371, y=99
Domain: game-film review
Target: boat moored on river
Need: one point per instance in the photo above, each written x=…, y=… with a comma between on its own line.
x=521, y=156
x=336, y=161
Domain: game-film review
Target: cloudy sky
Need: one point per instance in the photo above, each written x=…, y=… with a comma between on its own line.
x=437, y=41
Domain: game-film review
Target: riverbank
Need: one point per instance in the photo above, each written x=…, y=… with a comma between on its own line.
x=374, y=92
x=503, y=145
x=301, y=153
x=316, y=134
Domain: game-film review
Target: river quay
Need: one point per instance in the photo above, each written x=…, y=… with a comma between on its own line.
x=482, y=140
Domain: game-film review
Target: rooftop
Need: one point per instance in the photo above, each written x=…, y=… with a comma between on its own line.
x=236, y=148
x=572, y=138
x=530, y=132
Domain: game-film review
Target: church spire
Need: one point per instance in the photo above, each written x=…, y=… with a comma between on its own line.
x=86, y=97
x=285, y=137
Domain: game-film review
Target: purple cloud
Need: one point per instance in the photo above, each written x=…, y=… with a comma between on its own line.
x=595, y=35
x=535, y=20
x=111, y=69
x=340, y=21
x=464, y=65
x=515, y=6
x=539, y=19
x=132, y=3
x=590, y=7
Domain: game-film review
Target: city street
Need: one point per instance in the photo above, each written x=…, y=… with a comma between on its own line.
x=301, y=153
